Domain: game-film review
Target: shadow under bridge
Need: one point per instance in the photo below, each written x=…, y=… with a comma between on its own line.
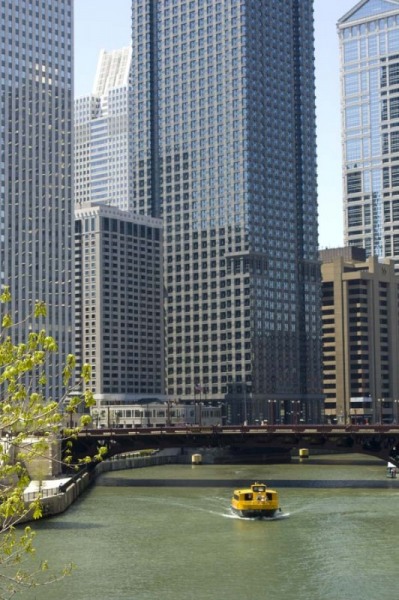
x=381, y=441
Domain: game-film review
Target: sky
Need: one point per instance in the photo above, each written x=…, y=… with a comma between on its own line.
x=106, y=24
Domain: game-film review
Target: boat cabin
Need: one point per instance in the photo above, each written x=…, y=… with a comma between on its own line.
x=257, y=491
x=255, y=500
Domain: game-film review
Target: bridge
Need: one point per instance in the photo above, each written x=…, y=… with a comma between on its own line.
x=381, y=441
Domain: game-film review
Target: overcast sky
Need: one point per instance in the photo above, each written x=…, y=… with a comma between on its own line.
x=106, y=24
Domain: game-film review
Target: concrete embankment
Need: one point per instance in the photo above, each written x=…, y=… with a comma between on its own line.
x=57, y=496
x=138, y=462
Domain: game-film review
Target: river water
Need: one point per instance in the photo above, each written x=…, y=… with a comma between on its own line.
x=140, y=535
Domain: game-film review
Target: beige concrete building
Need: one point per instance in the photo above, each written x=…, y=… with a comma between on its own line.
x=119, y=303
x=360, y=337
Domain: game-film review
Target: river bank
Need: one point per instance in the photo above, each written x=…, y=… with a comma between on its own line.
x=58, y=494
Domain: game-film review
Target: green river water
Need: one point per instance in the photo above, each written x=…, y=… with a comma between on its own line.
x=165, y=542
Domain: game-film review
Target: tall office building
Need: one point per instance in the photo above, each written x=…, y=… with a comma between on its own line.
x=102, y=141
x=223, y=116
x=360, y=337
x=36, y=166
x=369, y=43
x=119, y=300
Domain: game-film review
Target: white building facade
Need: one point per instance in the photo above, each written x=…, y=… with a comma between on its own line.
x=102, y=141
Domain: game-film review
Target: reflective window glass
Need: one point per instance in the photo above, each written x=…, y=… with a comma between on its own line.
x=351, y=51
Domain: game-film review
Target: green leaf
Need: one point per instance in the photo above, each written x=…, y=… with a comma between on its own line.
x=7, y=321
x=40, y=309
x=29, y=423
x=5, y=295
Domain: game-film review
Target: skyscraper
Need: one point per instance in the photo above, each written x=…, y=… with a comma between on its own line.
x=36, y=167
x=119, y=300
x=102, y=140
x=360, y=336
x=369, y=44
x=223, y=121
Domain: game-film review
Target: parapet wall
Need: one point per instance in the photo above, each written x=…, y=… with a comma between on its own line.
x=70, y=491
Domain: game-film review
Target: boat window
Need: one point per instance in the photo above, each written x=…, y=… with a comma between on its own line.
x=269, y=496
x=248, y=496
x=236, y=497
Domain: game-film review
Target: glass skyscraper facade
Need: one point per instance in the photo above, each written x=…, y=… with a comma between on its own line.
x=369, y=43
x=102, y=136
x=223, y=117
x=36, y=168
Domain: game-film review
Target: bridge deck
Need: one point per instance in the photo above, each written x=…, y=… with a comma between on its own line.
x=377, y=440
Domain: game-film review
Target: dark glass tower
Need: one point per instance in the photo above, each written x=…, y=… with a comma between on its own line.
x=36, y=168
x=224, y=149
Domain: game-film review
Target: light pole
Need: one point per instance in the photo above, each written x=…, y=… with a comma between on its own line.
x=395, y=411
x=197, y=390
x=370, y=408
x=245, y=405
x=168, y=422
x=295, y=411
x=271, y=405
x=377, y=417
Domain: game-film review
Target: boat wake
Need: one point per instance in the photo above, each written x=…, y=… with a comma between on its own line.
x=278, y=517
x=218, y=511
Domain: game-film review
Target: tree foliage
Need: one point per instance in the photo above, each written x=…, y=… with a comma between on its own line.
x=29, y=424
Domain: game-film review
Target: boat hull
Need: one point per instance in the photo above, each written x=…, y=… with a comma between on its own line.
x=253, y=513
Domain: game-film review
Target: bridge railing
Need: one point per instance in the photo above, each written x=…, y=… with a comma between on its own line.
x=245, y=429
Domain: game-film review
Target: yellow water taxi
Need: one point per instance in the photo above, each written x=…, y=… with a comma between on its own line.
x=256, y=501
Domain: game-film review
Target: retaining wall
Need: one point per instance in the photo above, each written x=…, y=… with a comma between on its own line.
x=70, y=491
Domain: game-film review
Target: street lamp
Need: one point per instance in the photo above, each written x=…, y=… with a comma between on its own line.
x=395, y=411
x=168, y=419
x=378, y=415
x=197, y=390
x=245, y=405
x=296, y=410
x=272, y=405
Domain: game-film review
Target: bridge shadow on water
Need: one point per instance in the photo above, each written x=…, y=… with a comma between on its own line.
x=339, y=461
